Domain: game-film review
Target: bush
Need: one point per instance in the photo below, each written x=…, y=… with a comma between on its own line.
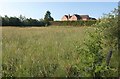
x=92, y=56
x=93, y=62
x=74, y=23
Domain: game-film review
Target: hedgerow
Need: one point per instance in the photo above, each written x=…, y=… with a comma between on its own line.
x=73, y=23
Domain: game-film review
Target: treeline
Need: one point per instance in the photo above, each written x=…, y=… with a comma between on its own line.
x=74, y=23
x=22, y=21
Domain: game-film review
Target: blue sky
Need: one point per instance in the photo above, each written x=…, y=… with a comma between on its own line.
x=37, y=10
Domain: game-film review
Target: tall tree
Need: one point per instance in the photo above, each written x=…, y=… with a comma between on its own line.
x=48, y=16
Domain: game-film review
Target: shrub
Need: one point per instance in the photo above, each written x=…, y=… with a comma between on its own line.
x=93, y=53
x=74, y=23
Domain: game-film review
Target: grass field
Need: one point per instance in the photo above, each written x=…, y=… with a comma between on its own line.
x=40, y=51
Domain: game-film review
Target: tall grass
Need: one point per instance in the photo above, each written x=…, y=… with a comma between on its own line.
x=41, y=51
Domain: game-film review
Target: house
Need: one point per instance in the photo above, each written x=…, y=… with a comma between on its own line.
x=66, y=17
x=85, y=17
x=76, y=17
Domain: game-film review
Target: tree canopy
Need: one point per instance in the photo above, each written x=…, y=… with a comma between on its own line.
x=48, y=16
x=21, y=21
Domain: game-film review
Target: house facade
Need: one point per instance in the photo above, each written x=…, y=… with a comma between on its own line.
x=65, y=18
x=76, y=17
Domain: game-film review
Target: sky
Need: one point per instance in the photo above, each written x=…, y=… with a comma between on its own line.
x=37, y=10
x=59, y=0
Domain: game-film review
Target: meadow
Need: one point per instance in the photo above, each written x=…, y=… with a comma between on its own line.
x=44, y=51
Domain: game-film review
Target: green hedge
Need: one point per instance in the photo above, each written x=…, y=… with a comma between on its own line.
x=73, y=23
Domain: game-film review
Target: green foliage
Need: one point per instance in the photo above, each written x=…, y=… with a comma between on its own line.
x=48, y=16
x=109, y=25
x=94, y=49
x=62, y=53
x=14, y=21
x=93, y=60
x=74, y=23
x=40, y=52
x=93, y=53
x=22, y=21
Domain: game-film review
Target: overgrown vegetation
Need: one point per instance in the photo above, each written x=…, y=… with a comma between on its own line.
x=62, y=51
x=44, y=51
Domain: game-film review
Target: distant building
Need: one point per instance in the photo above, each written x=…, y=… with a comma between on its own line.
x=76, y=17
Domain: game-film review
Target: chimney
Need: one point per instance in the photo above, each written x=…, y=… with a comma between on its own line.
x=68, y=16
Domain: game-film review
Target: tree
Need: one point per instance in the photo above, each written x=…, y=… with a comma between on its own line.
x=22, y=21
x=48, y=16
x=14, y=21
x=5, y=20
x=22, y=18
x=41, y=19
